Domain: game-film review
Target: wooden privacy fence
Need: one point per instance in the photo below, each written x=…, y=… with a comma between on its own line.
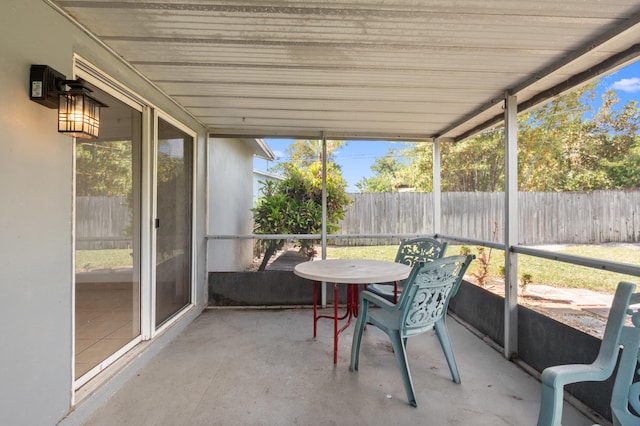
x=102, y=223
x=544, y=217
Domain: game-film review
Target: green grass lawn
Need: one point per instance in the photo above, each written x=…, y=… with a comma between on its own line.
x=89, y=260
x=542, y=271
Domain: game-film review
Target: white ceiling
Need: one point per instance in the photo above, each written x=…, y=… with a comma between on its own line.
x=362, y=69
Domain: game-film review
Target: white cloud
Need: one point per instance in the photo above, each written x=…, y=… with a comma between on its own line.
x=630, y=85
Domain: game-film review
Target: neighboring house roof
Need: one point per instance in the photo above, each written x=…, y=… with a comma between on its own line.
x=259, y=177
x=268, y=175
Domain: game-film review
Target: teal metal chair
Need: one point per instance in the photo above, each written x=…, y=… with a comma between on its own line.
x=410, y=252
x=625, y=397
x=422, y=307
x=625, y=393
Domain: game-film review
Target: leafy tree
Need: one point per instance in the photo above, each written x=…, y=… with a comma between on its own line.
x=549, y=139
x=624, y=171
x=466, y=166
x=103, y=168
x=563, y=146
x=294, y=206
x=418, y=172
x=476, y=164
x=575, y=153
x=615, y=134
x=173, y=202
x=388, y=177
x=304, y=153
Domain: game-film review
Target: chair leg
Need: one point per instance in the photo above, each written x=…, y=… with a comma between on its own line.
x=551, y=405
x=443, y=336
x=357, y=335
x=401, y=357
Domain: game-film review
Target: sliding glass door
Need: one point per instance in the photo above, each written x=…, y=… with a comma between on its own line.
x=174, y=200
x=133, y=231
x=107, y=222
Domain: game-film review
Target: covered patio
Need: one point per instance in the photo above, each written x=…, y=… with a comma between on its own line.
x=263, y=367
x=359, y=71
x=229, y=73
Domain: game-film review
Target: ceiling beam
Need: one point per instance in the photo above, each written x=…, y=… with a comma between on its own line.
x=316, y=135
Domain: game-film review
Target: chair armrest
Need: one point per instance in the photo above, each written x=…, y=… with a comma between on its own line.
x=381, y=289
x=553, y=381
x=561, y=375
x=377, y=300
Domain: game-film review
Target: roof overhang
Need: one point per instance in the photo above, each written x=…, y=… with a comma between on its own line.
x=366, y=69
x=258, y=147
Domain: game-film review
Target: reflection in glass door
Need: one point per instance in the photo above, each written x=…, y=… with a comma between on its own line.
x=174, y=198
x=107, y=223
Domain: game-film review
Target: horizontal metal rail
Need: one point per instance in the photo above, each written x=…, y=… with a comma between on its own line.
x=618, y=267
x=309, y=236
x=622, y=268
x=491, y=244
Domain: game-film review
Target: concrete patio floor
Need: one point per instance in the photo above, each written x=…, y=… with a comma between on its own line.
x=263, y=367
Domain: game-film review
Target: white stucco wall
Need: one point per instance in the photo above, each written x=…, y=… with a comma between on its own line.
x=36, y=166
x=36, y=212
x=230, y=203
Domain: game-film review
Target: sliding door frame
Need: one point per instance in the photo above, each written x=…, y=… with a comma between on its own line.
x=157, y=115
x=148, y=210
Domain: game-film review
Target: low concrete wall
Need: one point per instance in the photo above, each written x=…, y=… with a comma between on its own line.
x=267, y=288
x=542, y=341
x=545, y=342
x=481, y=309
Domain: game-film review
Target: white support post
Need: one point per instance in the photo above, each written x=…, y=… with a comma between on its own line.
x=437, y=199
x=324, y=215
x=511, y=227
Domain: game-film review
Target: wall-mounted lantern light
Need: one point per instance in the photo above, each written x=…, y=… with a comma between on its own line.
x=78, y=112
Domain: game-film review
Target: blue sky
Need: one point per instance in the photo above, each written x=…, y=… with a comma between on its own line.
x=355, y=158
x=358, y=156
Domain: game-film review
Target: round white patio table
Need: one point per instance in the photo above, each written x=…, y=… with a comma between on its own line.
x=353, y=272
